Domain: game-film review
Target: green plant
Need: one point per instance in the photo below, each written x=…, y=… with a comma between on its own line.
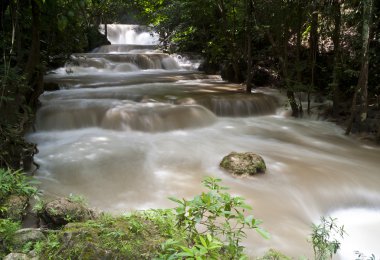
x=15, y=182
x=38, y=205
x=214, y=220
x=275, y=255
x=325, y=238
x=361, y=256
x=77, y=199
x=7, y=231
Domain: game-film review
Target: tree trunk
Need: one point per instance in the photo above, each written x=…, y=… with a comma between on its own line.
x=367, y=19
x=361, y=87
x=230, y=41
x=313, y=49
x=289, y=92
x=282, y=54
x=298, y=55
x=33, y=69
x=249, y=8
x=336, y=40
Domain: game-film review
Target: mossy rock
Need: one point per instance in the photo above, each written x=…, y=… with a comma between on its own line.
x=138, y=236
x=15, y=207
x=61, y=211
x=243, y=164
x=26, y=235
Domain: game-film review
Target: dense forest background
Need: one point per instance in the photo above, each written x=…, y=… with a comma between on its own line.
x=329, y=48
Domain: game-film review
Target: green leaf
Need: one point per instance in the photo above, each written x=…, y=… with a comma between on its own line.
x=62, y=22
x=265, y=234
x=203, y=241
x=250, y=220
x=185, y=254
x=175, y=200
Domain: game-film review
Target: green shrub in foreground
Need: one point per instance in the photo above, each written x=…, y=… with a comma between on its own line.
x=326, y=238
x=7, y=230
x=209, y=226
x=15, y=183
x=213, y=224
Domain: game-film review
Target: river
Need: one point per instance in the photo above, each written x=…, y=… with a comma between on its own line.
x=131, y=126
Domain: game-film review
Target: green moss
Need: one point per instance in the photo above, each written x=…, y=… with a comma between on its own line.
x=136, y=236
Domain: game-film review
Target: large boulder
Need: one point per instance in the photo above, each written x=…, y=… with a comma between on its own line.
x=243, y=164
x=61, y=211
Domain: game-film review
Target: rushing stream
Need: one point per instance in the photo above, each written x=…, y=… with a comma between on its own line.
x=132, y=126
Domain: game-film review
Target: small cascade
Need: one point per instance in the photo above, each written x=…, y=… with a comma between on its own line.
x=121, y=115
x=239, y=105
x=87, y=62
x=152, y=117
x=124, y=48
x=133, y=49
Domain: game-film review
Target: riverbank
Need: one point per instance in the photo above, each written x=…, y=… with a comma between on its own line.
x=71, y=230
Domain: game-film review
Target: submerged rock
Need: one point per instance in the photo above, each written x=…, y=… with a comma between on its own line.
x=243, y=164
x=61, y=211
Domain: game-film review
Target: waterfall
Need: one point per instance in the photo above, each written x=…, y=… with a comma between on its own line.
x=131, y=126
x=130, y=34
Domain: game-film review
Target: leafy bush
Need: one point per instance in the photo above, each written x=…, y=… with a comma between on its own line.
x=325, y=238
x=15, y=183
x=7, y=231
x=210, y=226
x=213, y=224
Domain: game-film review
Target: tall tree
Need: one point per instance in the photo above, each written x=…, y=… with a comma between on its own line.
x=314, y=38
x=249, y=25
x=336, y=38
x=362, y=85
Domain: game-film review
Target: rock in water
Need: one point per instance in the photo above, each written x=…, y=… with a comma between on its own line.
x=243, y=164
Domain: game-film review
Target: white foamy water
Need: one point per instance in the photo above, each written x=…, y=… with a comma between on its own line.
x=129, y=34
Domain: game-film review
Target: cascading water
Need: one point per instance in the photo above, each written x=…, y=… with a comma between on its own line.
x=130, y=127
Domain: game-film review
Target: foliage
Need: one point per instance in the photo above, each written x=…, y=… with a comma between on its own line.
x=7, y=231
x=15, y=183
x=77, y=199
x=133, y=236
x=274, y=255
x=212, y=220
x=325, y=238
x=15, y=114
x=210, y=226
x=361, y=256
